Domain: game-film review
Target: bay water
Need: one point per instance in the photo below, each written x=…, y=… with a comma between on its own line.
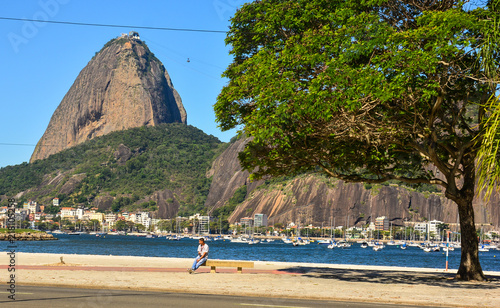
x=121, y=245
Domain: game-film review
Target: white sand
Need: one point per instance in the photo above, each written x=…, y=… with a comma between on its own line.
x=316, y=281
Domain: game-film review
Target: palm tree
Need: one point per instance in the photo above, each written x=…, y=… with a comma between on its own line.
x=488, y=154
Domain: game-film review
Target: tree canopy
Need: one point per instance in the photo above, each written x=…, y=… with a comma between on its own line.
x=365, y=91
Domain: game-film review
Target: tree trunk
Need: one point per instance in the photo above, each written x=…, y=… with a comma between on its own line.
x=470, y=268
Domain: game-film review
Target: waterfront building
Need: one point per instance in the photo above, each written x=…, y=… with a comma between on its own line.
x=421, y=228
x=145, y=220
x=433, y=227
x=204, y=222
x=3, y=217
x=382, y=223
x=21, y=214
x=371, y=226
x=110, y=220
x=87, y=215
x=141, y=218
x=246, y=221
x=110, y=217
x=79, y=213
x=98, y=216
x=260, y=220
x=133, y=218
x=154, y=222
x=32, y=206
x=68, y=212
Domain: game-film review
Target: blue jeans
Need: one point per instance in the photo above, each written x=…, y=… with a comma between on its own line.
x=197, y=262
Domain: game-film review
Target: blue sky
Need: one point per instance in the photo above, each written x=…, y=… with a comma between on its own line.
x=40, y=61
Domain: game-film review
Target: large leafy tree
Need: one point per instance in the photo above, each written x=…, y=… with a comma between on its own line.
x=365, y=91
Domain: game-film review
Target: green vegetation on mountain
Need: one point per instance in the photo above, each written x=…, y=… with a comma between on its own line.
x=168, y=156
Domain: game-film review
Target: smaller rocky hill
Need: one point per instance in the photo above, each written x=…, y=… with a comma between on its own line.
x=160, y=169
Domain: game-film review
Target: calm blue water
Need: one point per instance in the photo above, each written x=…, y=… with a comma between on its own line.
x=276, y=251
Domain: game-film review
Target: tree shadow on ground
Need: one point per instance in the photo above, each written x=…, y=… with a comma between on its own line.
x=393, y=277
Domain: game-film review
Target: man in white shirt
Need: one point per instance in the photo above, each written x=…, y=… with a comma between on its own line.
x=202, y=256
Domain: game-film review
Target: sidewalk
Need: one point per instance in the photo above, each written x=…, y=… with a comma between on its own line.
x=397, y=285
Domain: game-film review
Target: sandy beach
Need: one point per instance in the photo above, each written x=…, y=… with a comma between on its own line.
x=397, y=285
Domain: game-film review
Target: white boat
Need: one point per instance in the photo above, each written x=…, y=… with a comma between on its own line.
x=287, y=241
x=364, y=245
x=427, y=249
x=300, y=242
x=343, y=244
x=451, y=248
x=269, y=240
x=76, y=233
x=331, y=246
x=239, y=240
x=377, y=247
x=391, y=243
x=483, y=249
x=253, y=241
x=327, y=242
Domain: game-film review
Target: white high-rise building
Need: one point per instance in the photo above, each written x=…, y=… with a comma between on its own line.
x=260, y=220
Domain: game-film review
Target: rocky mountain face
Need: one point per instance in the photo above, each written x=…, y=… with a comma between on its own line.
x=316, y=199
x=227, y=176
x=122, y=87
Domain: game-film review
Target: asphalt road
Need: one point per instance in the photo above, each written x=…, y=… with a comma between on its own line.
x=32, y=296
